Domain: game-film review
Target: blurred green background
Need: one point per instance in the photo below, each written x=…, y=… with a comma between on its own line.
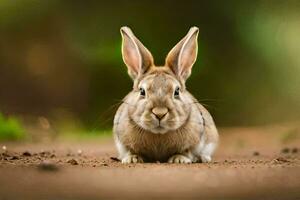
x=61, y=66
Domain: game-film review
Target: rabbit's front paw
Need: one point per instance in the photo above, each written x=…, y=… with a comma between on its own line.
x=179, y=159
x=132, y=159
x=205, y=159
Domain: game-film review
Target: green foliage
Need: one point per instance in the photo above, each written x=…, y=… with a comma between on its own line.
x=67, y=55
x=290, y=135
x=10, y=128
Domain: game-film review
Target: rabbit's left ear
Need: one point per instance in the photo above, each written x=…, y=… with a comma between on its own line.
x=182, y=57
x=136, y=56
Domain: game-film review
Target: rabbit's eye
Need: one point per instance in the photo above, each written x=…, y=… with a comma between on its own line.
x=176, y=92
x=142, y=92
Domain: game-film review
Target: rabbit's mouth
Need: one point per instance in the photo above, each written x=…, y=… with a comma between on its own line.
x=155, y=127
x=159, y=130
x=151, y=123
x=161, y=127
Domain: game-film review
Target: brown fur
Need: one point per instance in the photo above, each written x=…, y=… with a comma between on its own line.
x=186, y=130
x=159, y=147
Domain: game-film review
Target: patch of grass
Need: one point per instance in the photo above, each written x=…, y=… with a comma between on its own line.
x=10, y=128
x=290, y=135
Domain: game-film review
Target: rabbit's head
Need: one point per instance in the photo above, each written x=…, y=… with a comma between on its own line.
x=159, y=101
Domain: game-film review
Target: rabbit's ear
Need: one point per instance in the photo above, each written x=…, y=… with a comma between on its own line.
x=135, y=55
x=182, y=57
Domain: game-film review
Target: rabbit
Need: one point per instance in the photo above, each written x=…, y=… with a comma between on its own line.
x=159, y=120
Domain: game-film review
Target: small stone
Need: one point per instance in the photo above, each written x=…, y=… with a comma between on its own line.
x=285, y=150
x=26, y=153
x=52, y=156
x=14, y=158
x=256, y=153
x=4, y=148
x=280, y=160
x=115, y=159
x=47, y=166
x=69, y=154
x=5, y=154
x=295, y=150
x=45, y=153
x=72, y=162
x=79, y=152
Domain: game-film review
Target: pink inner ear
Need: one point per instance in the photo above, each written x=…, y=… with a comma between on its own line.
x=132, y=60
x=131, y=56
x=182, y=57
x=137, y=57
x=187, y=58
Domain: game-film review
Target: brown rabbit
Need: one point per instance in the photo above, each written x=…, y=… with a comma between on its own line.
x=159, y=120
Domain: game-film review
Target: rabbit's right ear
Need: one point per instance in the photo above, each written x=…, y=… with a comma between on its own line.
x=136, y=56
x=182, y=57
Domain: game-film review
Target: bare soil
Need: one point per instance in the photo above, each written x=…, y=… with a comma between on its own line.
x=250, y=163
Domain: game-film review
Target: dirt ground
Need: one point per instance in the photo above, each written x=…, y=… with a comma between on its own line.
x=250, y=163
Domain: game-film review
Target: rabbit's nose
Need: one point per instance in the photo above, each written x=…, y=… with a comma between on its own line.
x=160, y=112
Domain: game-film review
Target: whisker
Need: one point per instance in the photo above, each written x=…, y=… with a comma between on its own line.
x=190, y=121
x=128, y=103
x=105, y=115
x=211, y=100
x=135, y=122
x=203, y=104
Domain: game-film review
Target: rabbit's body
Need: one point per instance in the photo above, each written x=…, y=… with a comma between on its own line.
x=190, y=139
x=160, y=120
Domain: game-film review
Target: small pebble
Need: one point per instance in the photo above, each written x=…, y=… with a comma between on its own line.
x=5, y=154
x=280, y=160
x=79, y=152
x=70, y=154
x=285, y=150
x=4, y=148
x=26, y=153
x=256, y=153
x=47, y=166
x=14, y=158
x=295, y=150
x=45, y=153
x=72, y=162
x=114, y=158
